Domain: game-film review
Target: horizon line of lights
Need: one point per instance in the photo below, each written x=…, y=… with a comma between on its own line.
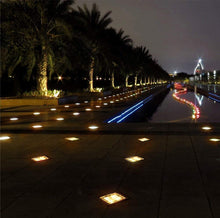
x=196, y=111
x=130, y=110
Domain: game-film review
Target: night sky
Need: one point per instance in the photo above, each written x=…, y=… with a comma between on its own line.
x=177, y=32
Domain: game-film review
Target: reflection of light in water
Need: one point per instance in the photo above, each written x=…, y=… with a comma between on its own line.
x=199, y=99
x=214, y=88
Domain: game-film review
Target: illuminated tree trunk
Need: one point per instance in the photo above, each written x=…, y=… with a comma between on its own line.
x=148, y=80
x=141, y=81
x=92, y=65
x=42, y=76
x=113, y=80
x=145, y=80
x=126, y=80
x=135, y=80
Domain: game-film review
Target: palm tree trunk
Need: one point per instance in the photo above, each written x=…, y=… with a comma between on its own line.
x=42, y=76
x=135, y=81
x=145, y=80
x=92, y=65
x=126, y=80
x=141, y=81
x=149, y=80
x=113, y=80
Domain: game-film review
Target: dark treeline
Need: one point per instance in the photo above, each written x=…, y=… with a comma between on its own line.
x=47, y=44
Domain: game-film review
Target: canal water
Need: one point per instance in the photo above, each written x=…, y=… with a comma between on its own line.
x=164, y=108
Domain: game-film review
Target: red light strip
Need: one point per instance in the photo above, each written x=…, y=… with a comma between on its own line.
x=196, y=111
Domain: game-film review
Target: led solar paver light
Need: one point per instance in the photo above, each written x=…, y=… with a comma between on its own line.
x=97, y=106
x=76, y=113
x=36, y=113
x=206, y=128
x=86, y=102
x=77, y=103
x=60, y=118
x=37, y=126
x=72, y=139
x=93, y=127
x=99, y=99
x=143, y=139
x=13, y=118
x=112, y=198
x=53, y=109
x=2, y=138
x=39, y=158
x=105, y=104
x=88, y=109
x=214, y=140
x=111, y=102
x=66, y=106
x=134, y=159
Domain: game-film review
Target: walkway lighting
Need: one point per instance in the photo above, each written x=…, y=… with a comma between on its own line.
x=206, y=128
x=214, y=140
x=37, y=126
x=53, y=109
x=112, y=198
x=13, y=118
x=2, y=138
x=76, y=113
x=143, y=139
x=93, y=127
x=72, y=139
x=60, y=118
x=36, y=113
x=39, y=158
x=134, y=159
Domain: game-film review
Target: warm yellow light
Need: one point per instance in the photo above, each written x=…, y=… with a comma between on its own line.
x=112, y=198
x=93, y=127
x=77, y=103
x=14, y=118
x=60, y=78
x=97, y=106
x=37, y=126
x=134, y=159
x=60, y=118
x=37, y=113
x=143, y=139
x=214, y=140
x=105, y=103
x=193, y=116
x=40, y=158
x=86, y=102
x=53, y=109
x=66, y=106
x=4, y=138
x=76, y=113
x=88, y=109
x=111, y=102
x=72, y=139
x=206, y=128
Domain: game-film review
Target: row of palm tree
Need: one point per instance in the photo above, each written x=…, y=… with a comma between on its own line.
x=47, y=36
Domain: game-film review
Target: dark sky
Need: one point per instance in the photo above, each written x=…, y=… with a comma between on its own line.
x=177, y=32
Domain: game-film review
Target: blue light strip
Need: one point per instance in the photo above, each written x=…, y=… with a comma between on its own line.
x=214, y=99
x=132, y=109
x=214, y=95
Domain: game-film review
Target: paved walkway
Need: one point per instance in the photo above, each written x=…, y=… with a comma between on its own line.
x=179, y=176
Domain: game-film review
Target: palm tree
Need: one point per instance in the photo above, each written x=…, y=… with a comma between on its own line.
x=35, y=30
x=92, y=27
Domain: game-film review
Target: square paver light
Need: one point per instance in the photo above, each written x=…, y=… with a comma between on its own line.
x=143, y=139
x=72, y=139
x=112, y=198
x=39, y=158
x=214, y=140
x=134, y=159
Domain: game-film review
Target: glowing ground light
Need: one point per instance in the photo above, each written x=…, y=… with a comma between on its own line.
x=36, y=113
x=93, y=127
x=77, y=104
x=4, y=138
x=60, y=118
x=206, y=128
x=66, y=106
x=112, y=198
x=39, y=158
x=105, y=104
x=37, y=126
x=214, y=140
x=85, y=101
x=88, y=109
x=13, y=118
x=143, y=139
x=111, y=102
x=53, y=109
x=97, y=106
x=76, y=113
x=72, y=139
x=134, y=159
